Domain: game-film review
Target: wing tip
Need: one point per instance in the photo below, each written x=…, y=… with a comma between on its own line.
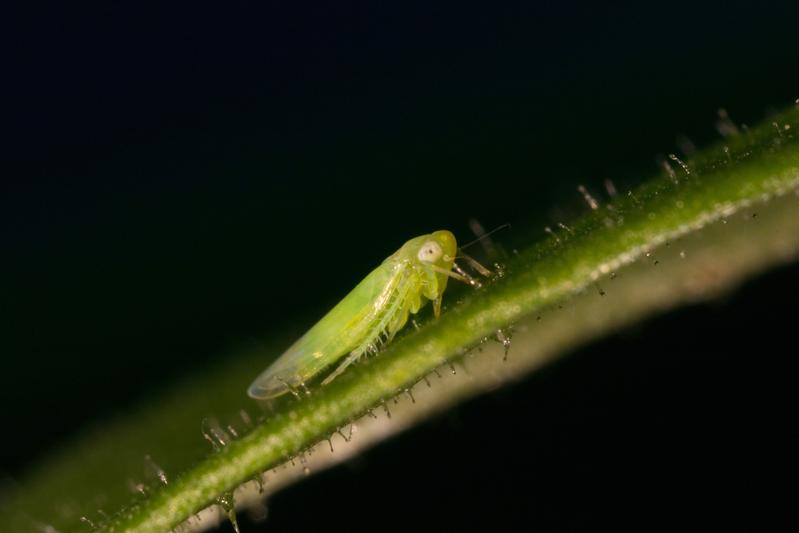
x=266, y=389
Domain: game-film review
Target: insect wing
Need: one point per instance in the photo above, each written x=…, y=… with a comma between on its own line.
x=336, y=334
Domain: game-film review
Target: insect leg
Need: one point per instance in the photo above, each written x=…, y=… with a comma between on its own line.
x=460, y=275
x=381, y=326
x=476, y=265
x=291, y=389
x=351, y=358
x=470, y=280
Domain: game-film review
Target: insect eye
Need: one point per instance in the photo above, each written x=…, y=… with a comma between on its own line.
x=430, y=252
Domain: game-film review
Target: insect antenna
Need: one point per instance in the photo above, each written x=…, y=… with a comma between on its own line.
x=487, y=244
x=483, y=236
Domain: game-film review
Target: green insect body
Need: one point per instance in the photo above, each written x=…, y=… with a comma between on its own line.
x=369, y=316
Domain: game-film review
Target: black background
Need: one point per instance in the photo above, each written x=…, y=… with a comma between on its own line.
x=182, y=178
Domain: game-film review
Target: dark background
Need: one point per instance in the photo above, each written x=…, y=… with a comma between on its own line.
x=179, y=179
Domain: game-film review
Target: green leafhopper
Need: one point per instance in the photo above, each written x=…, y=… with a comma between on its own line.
x=370, y=315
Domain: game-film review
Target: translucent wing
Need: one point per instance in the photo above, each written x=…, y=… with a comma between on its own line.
x=339, y=332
